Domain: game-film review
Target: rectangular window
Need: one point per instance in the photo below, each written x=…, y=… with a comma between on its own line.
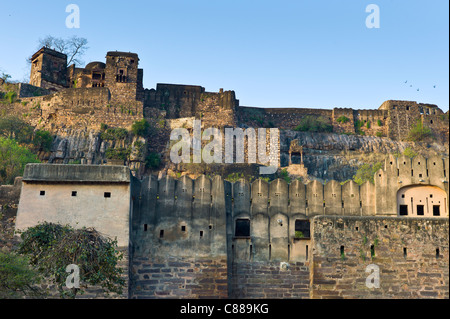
x=403, y=210
x=42, y=193
x=302, y=229
x=107, y=195
x=74, y=193
x=436, y=210
x=242, y=228
x=420, y=210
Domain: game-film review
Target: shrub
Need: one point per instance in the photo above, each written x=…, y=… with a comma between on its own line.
x=153, y=160
x=314, y=124
x=52, y=247
x=285, y=175
x=43, y=140
x=119, y=153
x=419, y=132
x=140, y=128
x=17, y=277
x=342, y=119
x=10, y=96
x=366, y=172
x=114, y=134
x=379, y=134
x=13, y=159
x=409, y=152
x=380, y=123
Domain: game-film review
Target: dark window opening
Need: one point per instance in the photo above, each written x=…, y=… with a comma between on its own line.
x=145, y=227
x=242, y=228
x=161, y=233
x=42, y=193
x=107, y=195
x=436, y=210
x=302, y=229
x=431, y=195
x=74, y=193
x=403, y=210
x=405, y=252
x=210, y=227
x=420, y=210
x=342, y=250
x=306, y=252
x=403, y=195
x=437, y=253
x=183, y=228
x=372, y=251
x=201, y=233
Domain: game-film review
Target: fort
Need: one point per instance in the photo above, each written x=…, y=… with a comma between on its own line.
x=200, y=235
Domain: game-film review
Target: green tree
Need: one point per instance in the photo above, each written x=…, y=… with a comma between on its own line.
x=43, y=140
x=366, y=172
x=52, y=247
x=13, y=127
x=17, y=277
x=13, y=159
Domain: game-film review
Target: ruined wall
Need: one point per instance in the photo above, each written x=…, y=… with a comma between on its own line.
x=412, y=255
x=405, y=114
x=79, y=109
x=179, y=239
x=282, y=118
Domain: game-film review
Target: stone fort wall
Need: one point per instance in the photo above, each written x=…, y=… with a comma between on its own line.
x=212, y=238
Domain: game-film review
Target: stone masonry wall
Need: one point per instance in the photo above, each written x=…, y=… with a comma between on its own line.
x=412, y=256
x=269, y=280
x=177, y=278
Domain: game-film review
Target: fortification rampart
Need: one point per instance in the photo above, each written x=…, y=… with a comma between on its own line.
x=407, y=258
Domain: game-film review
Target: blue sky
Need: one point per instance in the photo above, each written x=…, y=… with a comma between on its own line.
x=302, y=53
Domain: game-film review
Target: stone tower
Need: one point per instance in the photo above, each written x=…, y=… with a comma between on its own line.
x=49, y=69
x=123, y=77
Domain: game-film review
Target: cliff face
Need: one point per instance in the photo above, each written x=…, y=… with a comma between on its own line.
x=337, y=156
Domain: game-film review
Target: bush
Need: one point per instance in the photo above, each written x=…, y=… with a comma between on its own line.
x=119, y=153
x=379, y=134
x=380, y=123
x=153, y=160
x=10, y=96
x=342, y=119
x=366, y=172
x=13, y=159
x=52, y=247
x=114, y=134
x=43, y=140
x=314, y=124
x=140, y=128
x=16, y=128
x=419, y=132
x=17, y=277
x=409, y=152
x=285, y=175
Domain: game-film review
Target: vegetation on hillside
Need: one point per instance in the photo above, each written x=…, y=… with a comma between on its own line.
x=314, y=124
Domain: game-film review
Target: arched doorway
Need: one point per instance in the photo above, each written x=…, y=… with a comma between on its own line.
x=422, y=201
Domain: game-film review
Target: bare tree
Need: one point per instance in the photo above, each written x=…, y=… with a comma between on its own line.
x=73, y=47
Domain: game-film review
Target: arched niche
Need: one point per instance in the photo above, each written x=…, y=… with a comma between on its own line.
x=422, y=201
